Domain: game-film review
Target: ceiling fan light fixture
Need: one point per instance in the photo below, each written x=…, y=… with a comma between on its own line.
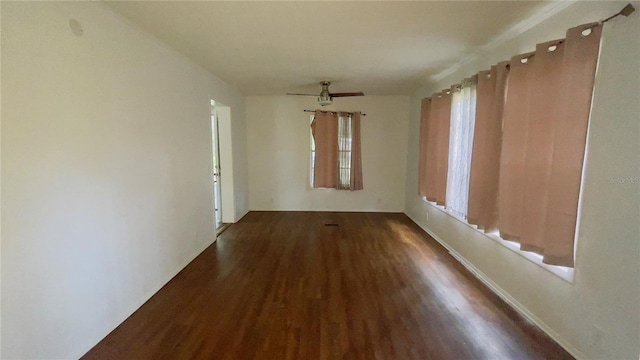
x=325, y=100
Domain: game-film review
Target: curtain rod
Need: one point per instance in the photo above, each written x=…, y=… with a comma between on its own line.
x=329, y=111
x=626, y=11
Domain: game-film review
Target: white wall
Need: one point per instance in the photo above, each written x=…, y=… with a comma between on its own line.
x=107, y=175
x=278, y=139
x=598, y=315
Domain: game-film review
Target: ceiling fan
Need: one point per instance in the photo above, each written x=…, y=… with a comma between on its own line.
x=325, y=97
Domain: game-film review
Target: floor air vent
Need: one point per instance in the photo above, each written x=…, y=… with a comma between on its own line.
x=331, y=225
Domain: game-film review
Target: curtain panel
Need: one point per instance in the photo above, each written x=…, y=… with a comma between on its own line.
x=437, y=146
x=442, y=150
x=324, y=129
x=514, y=145
x=425, y=112
x=546, y=120
x=570, y=137
x=485, y=162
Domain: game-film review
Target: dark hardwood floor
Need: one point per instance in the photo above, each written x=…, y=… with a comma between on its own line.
x=282, y=285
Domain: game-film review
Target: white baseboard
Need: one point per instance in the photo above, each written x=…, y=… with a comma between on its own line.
x=521, y=309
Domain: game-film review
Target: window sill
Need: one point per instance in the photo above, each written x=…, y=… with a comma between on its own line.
x=565, y=273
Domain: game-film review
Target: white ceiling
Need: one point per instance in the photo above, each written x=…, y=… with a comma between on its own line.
x=380, y=48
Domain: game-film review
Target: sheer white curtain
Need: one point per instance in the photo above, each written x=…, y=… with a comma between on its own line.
x=344, y=151
x=463, y=113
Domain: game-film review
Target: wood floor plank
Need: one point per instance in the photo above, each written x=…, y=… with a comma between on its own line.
x=282, y=285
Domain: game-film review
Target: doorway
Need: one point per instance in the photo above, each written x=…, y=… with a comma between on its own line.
x=217, y=186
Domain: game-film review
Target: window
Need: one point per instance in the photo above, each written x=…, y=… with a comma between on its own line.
x=335, y=151
x=528, y=143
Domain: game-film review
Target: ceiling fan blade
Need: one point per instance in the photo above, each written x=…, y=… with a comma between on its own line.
x=302, y=94
x=346, y=94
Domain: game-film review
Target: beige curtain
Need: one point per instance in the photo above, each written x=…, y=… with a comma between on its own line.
x=438, y=147
x=485, y=160
x=425, y=112
x=444, y=118
x=570, y=137
x=356, y=154
x=325, y=135
x=431, y=163
x=543, y=102
x=545, y=127
x=514, y=145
